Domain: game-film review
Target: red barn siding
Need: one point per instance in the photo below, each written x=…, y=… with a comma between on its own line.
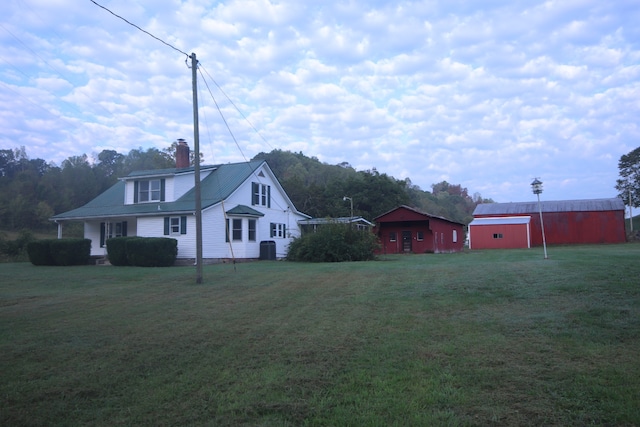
x=562, y=228
x=574, y=227
x=408, y=225
x=514, y=236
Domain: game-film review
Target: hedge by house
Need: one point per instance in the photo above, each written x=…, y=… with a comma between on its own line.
x=142, y=251
x=59, y=251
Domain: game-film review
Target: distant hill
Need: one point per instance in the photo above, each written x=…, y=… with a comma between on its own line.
x=318, y=189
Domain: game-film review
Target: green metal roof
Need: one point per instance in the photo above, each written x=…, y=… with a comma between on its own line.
x=244, y=210
x=217, y=186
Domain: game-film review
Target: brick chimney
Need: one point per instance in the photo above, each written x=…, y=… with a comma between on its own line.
x=182, y=154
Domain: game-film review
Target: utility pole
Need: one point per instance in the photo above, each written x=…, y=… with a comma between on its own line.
x=196, y=148
x=630, y=211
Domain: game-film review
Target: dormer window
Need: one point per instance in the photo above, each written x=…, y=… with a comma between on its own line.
x=260, y=194
x=151, y=190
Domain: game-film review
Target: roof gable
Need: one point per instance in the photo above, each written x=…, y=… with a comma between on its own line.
x=406, y=213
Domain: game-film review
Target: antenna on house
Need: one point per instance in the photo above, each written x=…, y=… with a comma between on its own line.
x=196, y=149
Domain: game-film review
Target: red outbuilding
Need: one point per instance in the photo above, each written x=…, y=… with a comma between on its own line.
x=408, y=230
x=565, y=222
x=509, y=232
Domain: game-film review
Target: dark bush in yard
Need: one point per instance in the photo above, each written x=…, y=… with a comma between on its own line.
x=334, y=243
x=152, y=251
x=117, y=250
x=16, y=249
x=70, y=251
x=40, y=253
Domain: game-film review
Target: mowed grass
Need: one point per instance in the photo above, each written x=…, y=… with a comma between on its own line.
x=476, y=338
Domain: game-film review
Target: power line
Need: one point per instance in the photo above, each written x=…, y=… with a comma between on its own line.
x=231, y=132
x=236, y=107
x=144, y=31
x=223, y=118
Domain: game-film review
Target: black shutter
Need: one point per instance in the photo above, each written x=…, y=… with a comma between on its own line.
x=166, y=225
x=124, y=228
x=135, y=191
x=183, y=225
x=255, y=193
x=102, y=230
x=273, y=230
x=284, y=230
x=162, y=185
x=226, y=230
x=268, y=196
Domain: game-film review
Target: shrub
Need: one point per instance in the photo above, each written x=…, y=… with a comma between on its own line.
x=117, y=250
x=334, y=243
x=39, y=252
x=16, y=249
x=70, y=251
x=152, y=251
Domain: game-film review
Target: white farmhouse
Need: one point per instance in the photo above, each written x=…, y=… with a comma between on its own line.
x=244, y=210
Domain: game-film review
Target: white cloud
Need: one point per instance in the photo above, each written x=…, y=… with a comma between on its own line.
x=487, y=94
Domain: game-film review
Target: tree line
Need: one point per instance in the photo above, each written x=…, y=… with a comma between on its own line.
x=33, y=190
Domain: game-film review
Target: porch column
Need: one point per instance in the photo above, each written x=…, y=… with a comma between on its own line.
x=59, y=230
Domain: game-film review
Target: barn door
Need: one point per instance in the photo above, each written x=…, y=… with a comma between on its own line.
x=406, y=241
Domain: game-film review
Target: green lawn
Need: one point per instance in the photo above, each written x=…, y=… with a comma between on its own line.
x=477, y=338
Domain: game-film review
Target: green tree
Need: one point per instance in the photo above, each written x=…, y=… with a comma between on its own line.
x=152, y=158
x=629, y=182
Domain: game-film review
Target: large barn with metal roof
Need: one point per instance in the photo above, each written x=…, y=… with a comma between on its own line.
x=517, y=225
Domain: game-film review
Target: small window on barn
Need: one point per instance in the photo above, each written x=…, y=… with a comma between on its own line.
x=392, y=236
x=497, y=235
x=420, y=236
x=455, y=236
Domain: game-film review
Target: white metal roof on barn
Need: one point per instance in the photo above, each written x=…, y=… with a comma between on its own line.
x=614, y=204
x=503, y=220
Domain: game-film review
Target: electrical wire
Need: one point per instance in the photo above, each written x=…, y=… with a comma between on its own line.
x=144, y=31
x=253, y=171
x=223, y=118
x=237, y=109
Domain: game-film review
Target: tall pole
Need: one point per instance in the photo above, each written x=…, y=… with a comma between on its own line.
x=350, y=200
x=544, y=241
x=536, y=185
x=630, y=211
x=196, y=149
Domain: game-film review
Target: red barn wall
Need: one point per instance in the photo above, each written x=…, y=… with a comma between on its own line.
x=443, y=236
x=437, y=233
x=514, y=236
x=580, y=227
x=397, y=247
x=437, y=236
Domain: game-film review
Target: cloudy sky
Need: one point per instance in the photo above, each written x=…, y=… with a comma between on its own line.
x=487, y=94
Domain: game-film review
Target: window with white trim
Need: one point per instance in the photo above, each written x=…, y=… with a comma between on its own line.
x=455, y=236
x=236, y=232
x=392, y=236
x=260, y=194
x=278, y=230
x=252, y=230
x=175, y=225
x=112, y=229
x=149, y=191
